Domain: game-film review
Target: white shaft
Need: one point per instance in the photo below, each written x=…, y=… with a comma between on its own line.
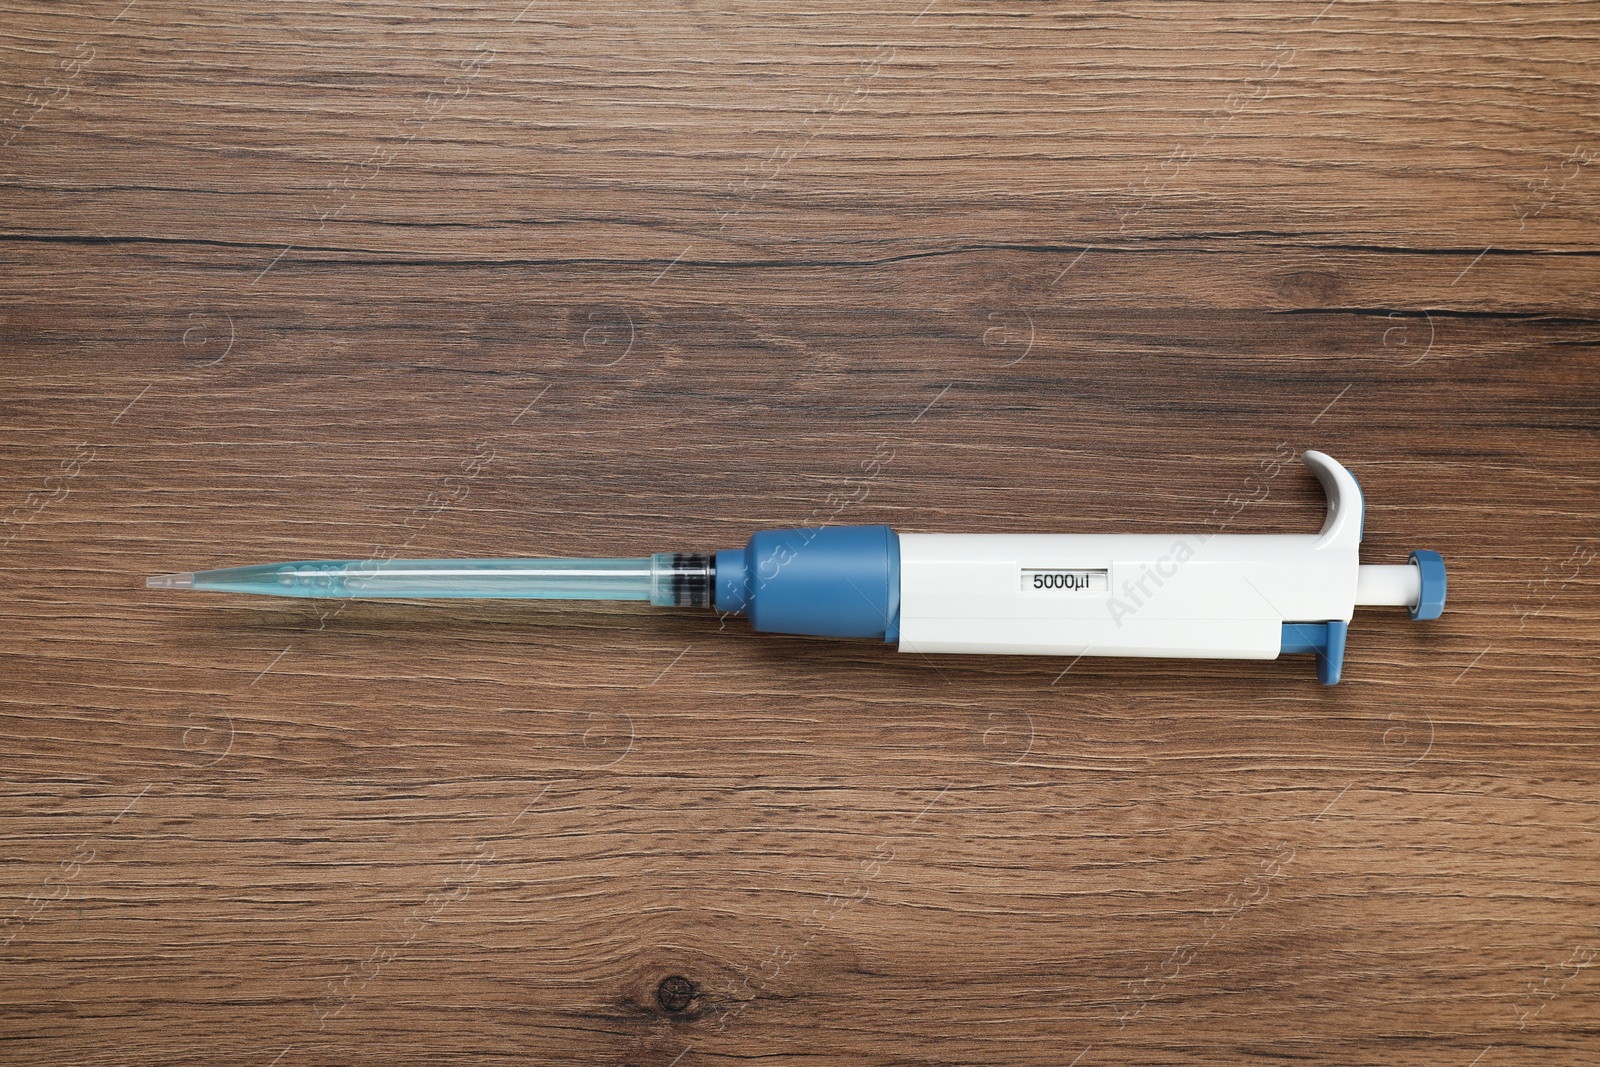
x=1398, y=586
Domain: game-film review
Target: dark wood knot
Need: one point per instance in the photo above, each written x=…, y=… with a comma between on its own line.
x=674, y=993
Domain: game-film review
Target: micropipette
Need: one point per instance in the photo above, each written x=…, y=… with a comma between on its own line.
x=1197, y=595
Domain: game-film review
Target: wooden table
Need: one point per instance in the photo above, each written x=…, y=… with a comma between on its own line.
x=357, y=279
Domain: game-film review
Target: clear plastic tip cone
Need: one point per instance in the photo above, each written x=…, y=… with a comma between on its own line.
x=666, y=578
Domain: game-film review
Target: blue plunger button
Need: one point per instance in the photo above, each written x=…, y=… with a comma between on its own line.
x=1430, y=566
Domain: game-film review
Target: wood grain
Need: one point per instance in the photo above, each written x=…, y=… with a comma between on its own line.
x=355, y=278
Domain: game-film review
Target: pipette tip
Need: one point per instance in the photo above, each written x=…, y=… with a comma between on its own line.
x=170, y=581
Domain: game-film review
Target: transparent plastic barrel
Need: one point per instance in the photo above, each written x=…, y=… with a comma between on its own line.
x=665, y=578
